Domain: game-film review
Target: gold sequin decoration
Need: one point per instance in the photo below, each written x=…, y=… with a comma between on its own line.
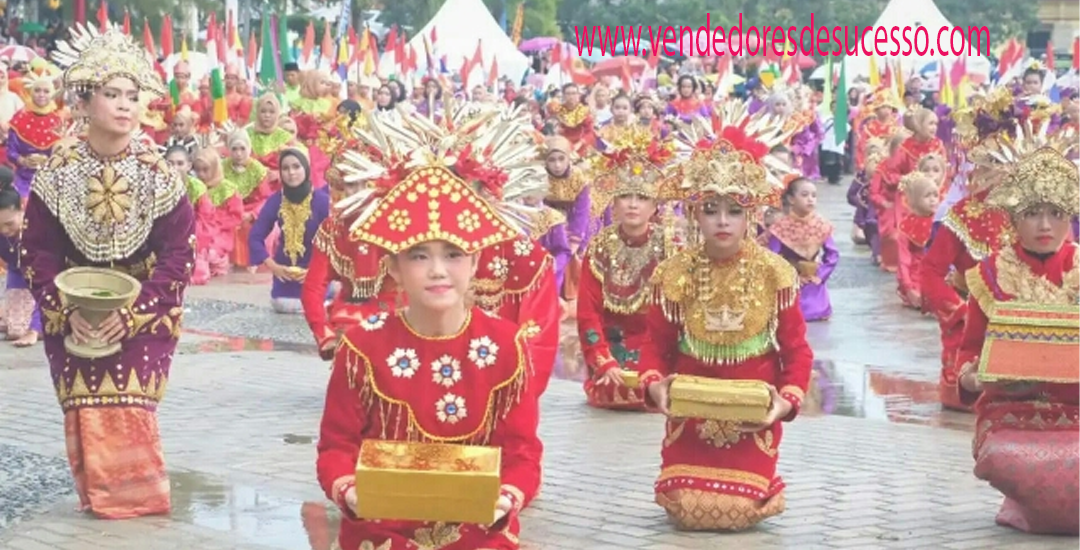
x=294, y=218
x=725, y=304
x=1016, y=279
x=153, y=190
x=624, y=270
x=1043, y=177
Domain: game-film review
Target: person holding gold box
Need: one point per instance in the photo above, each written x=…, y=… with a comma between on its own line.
x=1027, y=438
x=108, y=201
x=436, y=371
x=614, y=295
x=726, y=308
x=969, y=232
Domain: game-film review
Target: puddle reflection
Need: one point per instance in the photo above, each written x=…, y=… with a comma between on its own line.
x=253, y=515
x=223, y=343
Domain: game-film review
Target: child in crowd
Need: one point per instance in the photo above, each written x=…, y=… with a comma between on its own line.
x=805, y=238
x=922, y=195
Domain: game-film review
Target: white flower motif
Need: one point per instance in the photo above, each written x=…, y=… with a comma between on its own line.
x=499, y=267
x=374, y=321
x=403, y=363
x=450, y=408
x=482, y=351
x=446, y=371
x=523, y=247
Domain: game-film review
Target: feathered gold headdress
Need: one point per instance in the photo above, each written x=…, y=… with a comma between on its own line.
x=91, y=58
x=736, y=161
x=458, y=180
x=1039, y=171
x=636, y=162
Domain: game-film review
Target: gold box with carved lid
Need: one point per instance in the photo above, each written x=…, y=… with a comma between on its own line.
x=397, y=480
x=716, y=399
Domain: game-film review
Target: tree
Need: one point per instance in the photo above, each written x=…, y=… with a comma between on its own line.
x=540, y=16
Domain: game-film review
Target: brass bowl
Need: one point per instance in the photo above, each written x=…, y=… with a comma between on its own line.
x=96, y=292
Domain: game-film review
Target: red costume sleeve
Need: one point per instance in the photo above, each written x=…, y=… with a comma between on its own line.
x=659, y=349
x=521, y=451
x=975, y=324
x=796, y=357
x=313, y=297
x=590, y=322
x=939, y=296
x=884, y=180
x=343, y=421
x=905, y=264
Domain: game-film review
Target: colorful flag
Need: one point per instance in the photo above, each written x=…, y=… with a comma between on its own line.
x=267, y=68
x=840, y=115
x=875, y=76
x=216, y=55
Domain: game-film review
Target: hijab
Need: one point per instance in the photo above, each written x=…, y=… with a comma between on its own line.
x=296, y=195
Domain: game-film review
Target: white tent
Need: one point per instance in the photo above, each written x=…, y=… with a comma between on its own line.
x=912, y=13
x=459, y=26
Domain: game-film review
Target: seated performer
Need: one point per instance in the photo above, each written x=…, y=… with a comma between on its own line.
x=614, y=295
x=727, y=308
x=436, y=370
x=805, y=238
x=1027, y=442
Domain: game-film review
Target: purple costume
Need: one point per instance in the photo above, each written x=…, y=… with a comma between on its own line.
x=813, y=297
x=858, y=195
x=804, y=148
x=9, y=253
x=271, y=215
x=30, y=134
x=556, y=243
x=150, y=236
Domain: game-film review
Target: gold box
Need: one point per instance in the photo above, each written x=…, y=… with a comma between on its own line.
x=715, y=399
x=1031, y=343
x=806, y=268
x=631, y=378
x=397, y=480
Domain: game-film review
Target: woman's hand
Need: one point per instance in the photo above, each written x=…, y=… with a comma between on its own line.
x=350, y=499
x=778, y=409
x=502, y=507
x=81, y=331
x=611, y=376
x=659, y=392
x=112, y=328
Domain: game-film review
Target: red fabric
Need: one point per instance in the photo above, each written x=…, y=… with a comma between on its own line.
x=239, y=106
x=524, y=292
x=914, y=232
x=593, y=324
x=367, y=401
x=883, y=191
x=870, y=130
x=747, y=466
x=39, y=131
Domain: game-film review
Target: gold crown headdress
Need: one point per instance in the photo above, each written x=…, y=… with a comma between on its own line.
x=91, y=58
x=734, y=162
x=1039, y=171
x=458, y=179
x=635, y=162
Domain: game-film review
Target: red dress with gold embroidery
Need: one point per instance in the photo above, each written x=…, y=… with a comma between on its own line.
x=872, y=129
x=1027, y=434
x=515, y=280
x=883, y=192
x=390, y=383
x=365, y=288
x=914, y=232
x=612, y=306
x=969, y=233
x=739, y=320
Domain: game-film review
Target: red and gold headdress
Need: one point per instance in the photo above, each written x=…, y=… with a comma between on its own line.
x=636, y=162
x=1038, y=170
x=456, y=180
x=736, y=161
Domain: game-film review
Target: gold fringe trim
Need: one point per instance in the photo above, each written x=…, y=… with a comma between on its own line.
x=362, y=287
x=503, y=397
x=979, y=290
x=490, y=294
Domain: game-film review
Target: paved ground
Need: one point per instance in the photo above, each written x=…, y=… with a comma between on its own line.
x=874, y=464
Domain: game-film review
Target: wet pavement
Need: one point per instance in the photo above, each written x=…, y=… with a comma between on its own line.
x=872, y=463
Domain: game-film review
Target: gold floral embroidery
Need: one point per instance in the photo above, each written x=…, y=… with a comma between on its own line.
x=1016, y=278
x=571, y=118
x=294, y=217
x=764, y=441
x=55, y=321
x=719, y=434
x=624, y=270
x=108, y=199
x=437, y=536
